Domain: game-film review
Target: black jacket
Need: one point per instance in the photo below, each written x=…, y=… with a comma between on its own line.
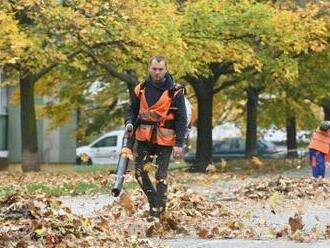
x=153, y=93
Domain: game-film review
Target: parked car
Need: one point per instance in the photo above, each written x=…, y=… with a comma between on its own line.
x=104, y=150
x=234, y=148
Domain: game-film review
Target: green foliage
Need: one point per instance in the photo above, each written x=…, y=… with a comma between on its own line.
x=67, y=47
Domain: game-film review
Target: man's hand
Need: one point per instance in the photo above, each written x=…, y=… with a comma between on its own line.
x=177, y=151
x=129, y=129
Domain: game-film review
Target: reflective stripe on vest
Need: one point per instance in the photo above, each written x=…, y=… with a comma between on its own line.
x=320, y=141
x=165, y=136
x=157, y=113
x=149, y=116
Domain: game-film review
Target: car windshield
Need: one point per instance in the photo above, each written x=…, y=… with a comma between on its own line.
x=107, y=141
x=263, y=144
x=220, y=146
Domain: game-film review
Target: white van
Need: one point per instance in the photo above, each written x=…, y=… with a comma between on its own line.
x=104, y=150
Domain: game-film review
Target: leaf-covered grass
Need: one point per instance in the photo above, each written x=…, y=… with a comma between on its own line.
x=175, y=165
x=6, y=190
x=260, y=166
x=98, y=179
x=131, y=185
x=59, y=180
x=81, y=188
x=94, y=168
x=78, y=188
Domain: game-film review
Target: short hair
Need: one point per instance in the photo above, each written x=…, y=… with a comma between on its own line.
x=158, y=58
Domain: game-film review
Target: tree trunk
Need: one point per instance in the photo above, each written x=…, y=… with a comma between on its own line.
x=204, y=133
x=326, y=111
x=28, y=127
x=291, y=138
x=251, y=122
x=203, y=89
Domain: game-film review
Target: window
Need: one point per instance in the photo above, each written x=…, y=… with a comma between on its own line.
x=222, y=146
x=216, y=148
x=3, y=98
x=225, y=144
x=238, y=144
x=235, y=144
x=108, y=141
x=261, y=145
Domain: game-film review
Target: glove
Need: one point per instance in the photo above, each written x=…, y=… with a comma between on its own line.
x=129, y=129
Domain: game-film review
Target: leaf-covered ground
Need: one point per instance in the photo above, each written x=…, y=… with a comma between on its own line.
x=200, y=205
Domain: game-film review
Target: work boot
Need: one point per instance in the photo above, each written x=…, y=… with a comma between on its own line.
x=153, y=214
x=162, y=211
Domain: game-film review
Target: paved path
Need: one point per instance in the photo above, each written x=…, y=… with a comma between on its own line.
x=87, y=205
x=202, y=243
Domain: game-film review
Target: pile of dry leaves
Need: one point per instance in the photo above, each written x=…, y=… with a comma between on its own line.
x=289, y=187
x=40, y=221
x=188, y=214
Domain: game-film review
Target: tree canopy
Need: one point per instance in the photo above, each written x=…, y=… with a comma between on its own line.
x=218, y=48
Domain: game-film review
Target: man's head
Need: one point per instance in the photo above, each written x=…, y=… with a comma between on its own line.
x=157, y=68
x=325, y=125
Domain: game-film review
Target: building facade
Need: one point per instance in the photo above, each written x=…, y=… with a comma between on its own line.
x=55, y=146
x=3, y=121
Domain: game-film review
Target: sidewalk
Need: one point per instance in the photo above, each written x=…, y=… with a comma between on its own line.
x=315, y=214
x=200, y=243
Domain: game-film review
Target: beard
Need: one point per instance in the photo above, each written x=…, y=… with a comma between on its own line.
x=158, y=79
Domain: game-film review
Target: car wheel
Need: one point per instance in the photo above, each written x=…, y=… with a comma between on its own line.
x=78, y=161
x=90, y=162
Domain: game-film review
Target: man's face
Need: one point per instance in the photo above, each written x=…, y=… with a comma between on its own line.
x=157, y=70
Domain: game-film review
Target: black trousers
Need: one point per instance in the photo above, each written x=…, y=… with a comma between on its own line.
x=147, y=152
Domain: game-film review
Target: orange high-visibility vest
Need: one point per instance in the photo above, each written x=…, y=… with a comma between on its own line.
x=153, y=118
x=320, y=141
x=327, y=157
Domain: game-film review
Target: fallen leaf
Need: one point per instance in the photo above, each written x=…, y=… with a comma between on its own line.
x=210, y=169
x=86, y=221
x=317, y=218
x=203, y=233
x=327, y=231
x=256, y=161
x=296, y=223
x=148, y=167
x=234, y=225
x=215, y=231
x=116, y=215
x=126, y=202
x=151, y=231
x=298, y=235
x=282, y=232
x=172, y=223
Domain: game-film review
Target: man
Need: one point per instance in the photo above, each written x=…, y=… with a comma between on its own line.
x=157, y=111
x=319, y=149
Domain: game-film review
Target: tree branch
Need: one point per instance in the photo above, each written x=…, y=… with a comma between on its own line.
x=47, y=69
x=238, y=37
x=226, y=84
x=108, y=67
x=193, y=81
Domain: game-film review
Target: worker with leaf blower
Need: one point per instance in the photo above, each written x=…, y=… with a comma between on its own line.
x=157, y=113
x=319, y=149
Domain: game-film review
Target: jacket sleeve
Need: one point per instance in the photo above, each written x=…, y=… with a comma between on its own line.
x=180, y=126
x=133, y=110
